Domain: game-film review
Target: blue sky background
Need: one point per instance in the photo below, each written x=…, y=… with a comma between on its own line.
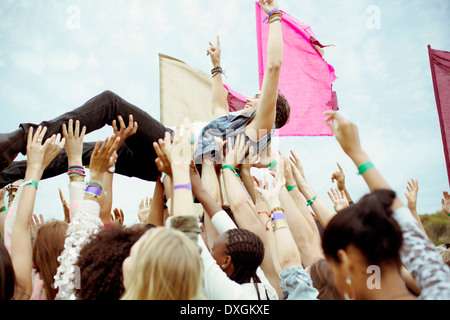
x=55, y=55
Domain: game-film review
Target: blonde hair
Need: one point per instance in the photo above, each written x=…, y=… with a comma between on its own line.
x=167, y=267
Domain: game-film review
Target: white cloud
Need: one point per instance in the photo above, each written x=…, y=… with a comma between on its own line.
x=28, y=62
x=64, y=62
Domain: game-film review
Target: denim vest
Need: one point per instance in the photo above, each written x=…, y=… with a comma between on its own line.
x=227, y=127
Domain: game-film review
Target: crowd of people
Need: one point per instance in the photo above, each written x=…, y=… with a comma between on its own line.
x=211, y=230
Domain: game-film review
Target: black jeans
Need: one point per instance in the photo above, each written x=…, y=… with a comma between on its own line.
x=136, y=157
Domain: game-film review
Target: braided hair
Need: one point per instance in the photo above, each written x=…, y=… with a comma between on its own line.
x=247, y=253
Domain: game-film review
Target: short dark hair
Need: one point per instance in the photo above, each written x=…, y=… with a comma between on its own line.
x=283, y=111
x=369, y=226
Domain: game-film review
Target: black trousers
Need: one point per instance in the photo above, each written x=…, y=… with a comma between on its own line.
x=136, y=156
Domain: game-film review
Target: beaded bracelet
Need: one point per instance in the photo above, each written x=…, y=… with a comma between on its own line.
x=276, y=210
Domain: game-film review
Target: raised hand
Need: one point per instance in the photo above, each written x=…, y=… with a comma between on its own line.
x=103, y=157
x=36, y=222
x=235, y=154
x=179, y=151
x=339, y=176
x=346, y=133
x=144, y=209
x=412, y=189
x=215, y=52
x=339, y=200
x=74, y=142
x=65, y=206
x=40, y=155
x=118, y=217
x=446, y=202
x=125, y=131
x=268, y=5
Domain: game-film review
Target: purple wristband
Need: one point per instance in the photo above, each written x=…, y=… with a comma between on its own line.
x=278, y=216
x=271, y=13
x=94, y=190
x=187, y=186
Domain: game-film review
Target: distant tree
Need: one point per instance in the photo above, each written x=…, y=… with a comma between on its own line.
x=437, y=227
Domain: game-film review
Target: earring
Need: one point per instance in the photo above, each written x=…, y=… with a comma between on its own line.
x=348, y=281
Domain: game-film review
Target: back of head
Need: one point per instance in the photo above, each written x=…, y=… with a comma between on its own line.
x=283, y=111
x=47, y=247
x=369, y=226
x=167, y=267
x=7, y=276
x=323, y=281
x=247, y=253
x=100, y=262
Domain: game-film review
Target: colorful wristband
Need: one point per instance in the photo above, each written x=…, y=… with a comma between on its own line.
x=290, y=188
x=3, y=209
x=30, y=183
x=278, y=216
x=277, y=209
x=232, y=169
x=365, y=167
x=279, y=224
x=187, y=186
x=91, y=182
x=272, y=165
x=310, y=202
x=93, y=190
x=271, y=13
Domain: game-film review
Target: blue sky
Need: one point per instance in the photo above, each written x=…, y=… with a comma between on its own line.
x=55, y=55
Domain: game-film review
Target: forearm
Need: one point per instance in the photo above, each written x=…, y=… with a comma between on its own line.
x=219, y=96
x=106, y=198
x=320, y=208
x=306, y=239
x=298, y=198
x=156, y=216
x=210, y=181
x=347, y=195
x=21, y=251
x=183, y=202
x=209, y=204
x=248, y=181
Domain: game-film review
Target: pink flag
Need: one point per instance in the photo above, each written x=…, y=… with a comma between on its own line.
x=306, y=79
x=440, y=71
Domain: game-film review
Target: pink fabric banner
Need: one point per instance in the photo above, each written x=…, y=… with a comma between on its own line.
x=306, y=79
x=440, y=71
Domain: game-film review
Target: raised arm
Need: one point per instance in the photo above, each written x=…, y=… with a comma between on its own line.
x=38, y=158
x=266, y=111
x=418, y=254
x=218, y=92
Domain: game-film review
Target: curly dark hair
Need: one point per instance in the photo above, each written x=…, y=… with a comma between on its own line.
x=100, y=261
